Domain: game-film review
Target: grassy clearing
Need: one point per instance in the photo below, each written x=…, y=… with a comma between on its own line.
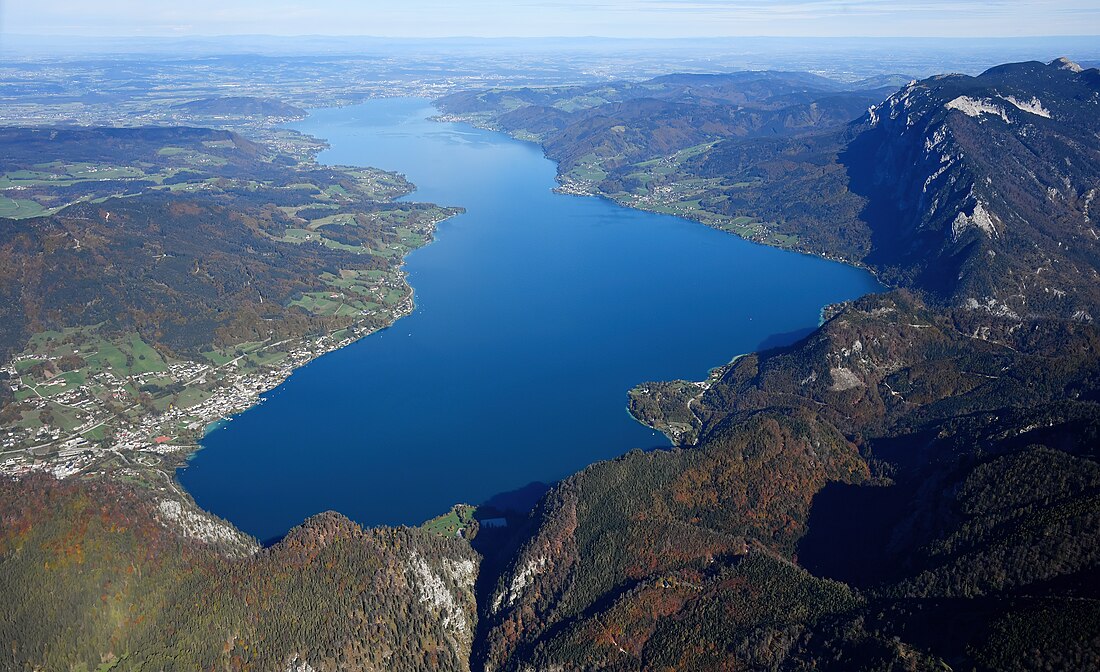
x=410, y=238
x=590, y=173
x=124, y=356
x=218, y=358
x=321, y=303
x=393, y=297
x=450, y=523
x=107, y=173
x=191, y=156
x=342, y=219
x=109, y=356
x=222, y=356
x=191, y=396
x=785, y=240
x=61, y=383
x=299, y=236
x=145, y=358
x=267, y=357
x=352, y=293
x=25, y=365
x=20, y=208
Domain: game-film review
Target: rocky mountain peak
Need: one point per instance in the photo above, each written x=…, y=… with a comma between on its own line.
x=1064, y=63
x=982, y=188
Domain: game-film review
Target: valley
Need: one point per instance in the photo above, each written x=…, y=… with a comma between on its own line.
x=827, y=474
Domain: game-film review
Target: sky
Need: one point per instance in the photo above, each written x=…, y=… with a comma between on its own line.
x=553, y=18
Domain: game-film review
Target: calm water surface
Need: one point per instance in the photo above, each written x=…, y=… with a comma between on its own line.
x=536, y=312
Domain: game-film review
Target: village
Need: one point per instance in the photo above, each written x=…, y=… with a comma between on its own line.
x=79, y=419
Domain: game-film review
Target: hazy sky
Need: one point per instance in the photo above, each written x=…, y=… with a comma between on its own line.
x=496, y=18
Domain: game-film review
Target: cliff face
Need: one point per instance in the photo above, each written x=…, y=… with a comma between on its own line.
x=980, y=189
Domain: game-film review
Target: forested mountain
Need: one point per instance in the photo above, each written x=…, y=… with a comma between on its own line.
x=244, y=106
x=963, y=186
x=937, y=473
x=976, y=188
x=181, y=234
x=621, y=123
x=934, y=450
x=186, y=273
x=913, y=486
x=153, y=280
x=92, y=579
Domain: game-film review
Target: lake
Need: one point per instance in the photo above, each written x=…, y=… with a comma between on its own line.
x=536, y=313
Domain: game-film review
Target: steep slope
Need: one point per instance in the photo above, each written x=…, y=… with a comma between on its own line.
x=980, y=188
x=934, y=450
x=888, y=393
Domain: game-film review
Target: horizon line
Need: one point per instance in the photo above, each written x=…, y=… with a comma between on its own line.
x=544, y=37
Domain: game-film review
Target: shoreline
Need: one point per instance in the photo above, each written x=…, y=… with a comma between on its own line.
x=224, y=408
x=161, y=461
x=568, y=187
x=150, y=445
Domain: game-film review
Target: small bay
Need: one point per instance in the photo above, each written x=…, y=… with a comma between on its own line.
x=536, y=313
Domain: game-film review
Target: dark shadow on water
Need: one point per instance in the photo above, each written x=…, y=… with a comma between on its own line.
x=520, y=500
x=514, y=506
x=498, y=545
x=268, y=543
x=785, y=339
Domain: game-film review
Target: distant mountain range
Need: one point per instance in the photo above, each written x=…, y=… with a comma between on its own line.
x=623, y=123
x=913, y=486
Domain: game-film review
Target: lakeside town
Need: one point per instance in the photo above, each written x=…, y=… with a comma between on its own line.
x=92, y=417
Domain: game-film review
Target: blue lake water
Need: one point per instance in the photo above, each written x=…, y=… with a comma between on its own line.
x=536, y=313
